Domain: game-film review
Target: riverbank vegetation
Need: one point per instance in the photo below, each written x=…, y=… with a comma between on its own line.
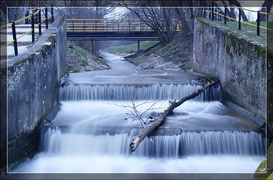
x=80, y=59
x=132, y=48
x=176, y=55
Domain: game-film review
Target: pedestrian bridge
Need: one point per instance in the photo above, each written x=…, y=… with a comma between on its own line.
x=114, y=29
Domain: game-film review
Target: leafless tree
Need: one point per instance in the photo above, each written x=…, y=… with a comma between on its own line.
x=159, y=18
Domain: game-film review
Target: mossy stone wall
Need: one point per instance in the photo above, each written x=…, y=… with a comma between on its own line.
x=238, y=63
x=32, y=80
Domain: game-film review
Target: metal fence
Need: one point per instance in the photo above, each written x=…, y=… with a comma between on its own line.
x=35, y=19
x=214, y=14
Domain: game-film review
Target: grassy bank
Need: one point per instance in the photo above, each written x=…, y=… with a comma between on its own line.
x=131, y=48
x=248, y=30
x=80, y=59
x=177, y=55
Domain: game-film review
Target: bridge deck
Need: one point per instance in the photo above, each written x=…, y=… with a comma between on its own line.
x=107, y=29
x=135, y=35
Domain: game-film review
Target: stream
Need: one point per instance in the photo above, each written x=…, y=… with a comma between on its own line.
x=92, y=130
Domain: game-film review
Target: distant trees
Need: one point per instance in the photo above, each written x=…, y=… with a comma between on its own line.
x=266, y=7
x=159, y=14
x=163, y=16
x=16, y=13
x=88, y=10
x=159, y=19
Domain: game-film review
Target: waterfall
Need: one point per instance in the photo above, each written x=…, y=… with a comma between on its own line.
x=96, y=123
x=187, y=143
x=135, y=92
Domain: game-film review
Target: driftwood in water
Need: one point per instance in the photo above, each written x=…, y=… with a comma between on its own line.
x=161, y=118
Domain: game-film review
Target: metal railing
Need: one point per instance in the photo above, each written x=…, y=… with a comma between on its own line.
x=214, y=15
x=113, y=25
x=35, y=19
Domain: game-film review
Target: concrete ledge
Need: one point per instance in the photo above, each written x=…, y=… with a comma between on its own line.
x=32, y=80
x=45, y=41
x=244, y=112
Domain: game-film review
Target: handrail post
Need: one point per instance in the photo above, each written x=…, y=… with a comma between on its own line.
x=14, y=38
x=107, y=24
x=73, y=25
x=138, y=46
x=118, y=25
x=33, y=29
x=40, y=23
x=239, y=22
x=129, y=25
x=46, y=16
x=36, y=17
x=225, y=18
x=140, y=25
x=52, y=16
x=26, y=21
x=212, y=9
x=92, y=44
x=84, y=25
x=258, y=23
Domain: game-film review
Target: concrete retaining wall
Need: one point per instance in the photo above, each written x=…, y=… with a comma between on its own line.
x=238, y=63
x=32, y=85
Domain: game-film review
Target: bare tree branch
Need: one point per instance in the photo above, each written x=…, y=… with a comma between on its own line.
x=161, y=118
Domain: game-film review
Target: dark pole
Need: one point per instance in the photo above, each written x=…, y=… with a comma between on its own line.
x=73, y=25
x=26, y=21
x=40, y=23
x=36, y=17
x=92, y=42
x=225, y=18
x=46, y=16
x=84, y=25
x=129, y=25
x=52, y=15
x=138, y=46
x=258, y=23
x=239, y=22
x=14, y=38
x=118, y=25
x=212, y=9
x=107, y=24
x=32, y=27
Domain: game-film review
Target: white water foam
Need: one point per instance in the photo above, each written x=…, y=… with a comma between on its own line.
x=52, y=163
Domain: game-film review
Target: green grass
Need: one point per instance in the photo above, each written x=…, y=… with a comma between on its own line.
x=131, y=48
x=82, y=55
x=84, y=62
x=248, y=30
x=72, y=69
x=79, y=51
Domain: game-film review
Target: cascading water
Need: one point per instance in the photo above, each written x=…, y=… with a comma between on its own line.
x=136, y=92
x=93, y=130
x=187, y=143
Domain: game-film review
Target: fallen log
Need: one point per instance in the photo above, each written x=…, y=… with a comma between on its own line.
x=161, y=118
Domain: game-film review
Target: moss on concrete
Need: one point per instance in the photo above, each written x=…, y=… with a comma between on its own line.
x=25, y=59
x=266, y=167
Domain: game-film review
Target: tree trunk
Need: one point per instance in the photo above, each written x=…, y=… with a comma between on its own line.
x=236, y=3
x=161, y=118
x=266, y=7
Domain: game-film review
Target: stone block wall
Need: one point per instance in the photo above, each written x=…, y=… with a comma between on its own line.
x=32, y=80
x=238, y=63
